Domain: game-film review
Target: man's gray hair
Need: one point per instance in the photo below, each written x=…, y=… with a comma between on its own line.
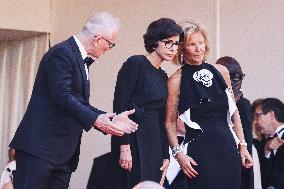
x=102, y=23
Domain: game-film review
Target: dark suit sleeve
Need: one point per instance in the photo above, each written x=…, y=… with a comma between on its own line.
x=124, y=89
x=59, y=68
x=97, y=110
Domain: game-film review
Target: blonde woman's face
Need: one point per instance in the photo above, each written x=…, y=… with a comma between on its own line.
x=194, y=48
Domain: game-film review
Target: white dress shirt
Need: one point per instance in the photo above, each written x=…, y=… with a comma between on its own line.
x=83, y=54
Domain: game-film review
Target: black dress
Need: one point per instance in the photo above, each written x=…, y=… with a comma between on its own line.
x=141, y=86
x=213, y=147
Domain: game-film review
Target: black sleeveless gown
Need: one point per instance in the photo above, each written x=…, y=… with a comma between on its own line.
x=213, y=148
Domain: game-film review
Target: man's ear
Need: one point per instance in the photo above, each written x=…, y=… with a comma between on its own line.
x=96, y=40
x=272, y=115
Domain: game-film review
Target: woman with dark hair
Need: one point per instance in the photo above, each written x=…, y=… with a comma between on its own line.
x=200, y=95
x=142, y=85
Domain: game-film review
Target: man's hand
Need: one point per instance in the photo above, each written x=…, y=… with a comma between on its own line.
x=273, y=144
x=104, y=124
x=124, y=123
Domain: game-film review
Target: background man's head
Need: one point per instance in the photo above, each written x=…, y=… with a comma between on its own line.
x=269, y=115
x=236, y=74
x=148, y=185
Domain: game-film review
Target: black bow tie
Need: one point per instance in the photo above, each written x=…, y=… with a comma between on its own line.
x=276, y=134
x=88, y=60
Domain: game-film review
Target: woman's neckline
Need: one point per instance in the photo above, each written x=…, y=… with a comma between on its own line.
x=149, y=61
x=188, y=63
x=194, y=65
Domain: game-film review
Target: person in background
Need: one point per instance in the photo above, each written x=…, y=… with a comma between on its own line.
x=47, y=141
x=269, y=118
x=244, y=107
x=257, y=136
x=257, y=149
x=148, y=185
x=8, y=175
x=200, y=95
x=142, y=85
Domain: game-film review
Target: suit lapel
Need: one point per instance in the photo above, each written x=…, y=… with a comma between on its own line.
x=81, y=65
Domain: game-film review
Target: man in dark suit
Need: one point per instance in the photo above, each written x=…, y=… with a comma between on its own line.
x=269, y=117
x=48, y=139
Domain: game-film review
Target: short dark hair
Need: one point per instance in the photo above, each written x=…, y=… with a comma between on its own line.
x=230, y=63
x=158, y=30
x=275, y=105
x=256, y=103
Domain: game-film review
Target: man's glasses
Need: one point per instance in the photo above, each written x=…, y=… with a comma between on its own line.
x=169, y=43
x=236, y=76
x=258, y=114
x=110, y=44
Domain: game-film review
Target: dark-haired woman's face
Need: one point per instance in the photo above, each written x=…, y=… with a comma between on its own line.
x=167, y=48
x=194, y=48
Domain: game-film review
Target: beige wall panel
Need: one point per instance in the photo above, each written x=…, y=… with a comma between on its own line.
x=135, y=15
x=28, y=15
x=252, y=32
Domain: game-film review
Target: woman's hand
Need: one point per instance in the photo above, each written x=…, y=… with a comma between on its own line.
x=125, y=159
x=246, y=158
x=186, y=163
x=164, y=169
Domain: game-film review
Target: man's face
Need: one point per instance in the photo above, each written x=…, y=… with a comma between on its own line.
x=101, y=44
x=264, y=122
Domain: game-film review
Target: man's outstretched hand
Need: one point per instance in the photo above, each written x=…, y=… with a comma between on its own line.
x=123, y=122
x=119, y=125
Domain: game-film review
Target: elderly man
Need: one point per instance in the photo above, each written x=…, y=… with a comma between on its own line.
x=269, y=117
x=47, y=141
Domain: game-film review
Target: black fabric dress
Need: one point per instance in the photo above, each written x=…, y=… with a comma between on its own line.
x=141, y=86
x=213, y=147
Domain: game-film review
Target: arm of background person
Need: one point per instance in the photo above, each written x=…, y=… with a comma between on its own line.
x=245, y=156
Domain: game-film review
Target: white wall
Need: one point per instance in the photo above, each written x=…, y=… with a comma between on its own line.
x=253, y=33
x=27, y=15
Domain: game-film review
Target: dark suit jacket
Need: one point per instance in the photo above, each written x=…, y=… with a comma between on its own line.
x=274, y=175
x=59, y=108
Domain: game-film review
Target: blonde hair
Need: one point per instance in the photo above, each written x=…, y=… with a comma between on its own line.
x=189, y=28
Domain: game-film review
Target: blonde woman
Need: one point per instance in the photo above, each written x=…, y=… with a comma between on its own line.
x=202, y=95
